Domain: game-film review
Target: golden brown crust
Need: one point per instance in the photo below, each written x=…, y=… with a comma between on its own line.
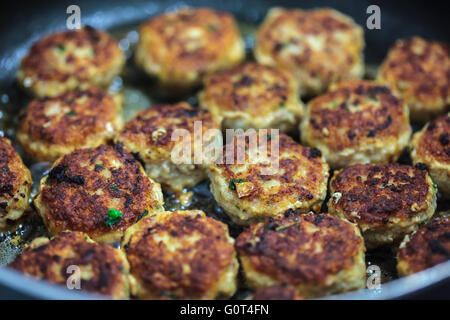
x=280, y=292
x=153, y=128
x=379, y=193
x=427, y=247
x=166, y=137
x=299, y=249
x=82, y=186
x=252, y=190
x=51, y=127
x=355, y=113
x=180, y=47
x=291, y=181
x=181, y=254
x=386, y=201
x=431, y=147
x=320, y=46
x=15, y=183
x=418, y=71
x=256, y=90
x=74, y=58
x=103, y=269
x=434, y=143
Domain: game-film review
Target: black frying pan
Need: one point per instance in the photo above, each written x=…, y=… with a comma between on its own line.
x=24, y=22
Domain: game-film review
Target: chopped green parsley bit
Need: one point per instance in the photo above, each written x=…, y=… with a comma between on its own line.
x=233, y=182
x=99, y=167
x=114, y=187
x=422, y=223
x=143, y=214
x=333, y=103
x=212, y=27
x=169, y=295
x=300, y=198
x=286, y=226
x=282, y=105
x=114, y=216
x=435, y=186
x=61, y=48
x=71, y=113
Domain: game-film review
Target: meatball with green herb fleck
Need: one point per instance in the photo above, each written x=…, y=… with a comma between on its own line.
x=99, y=191
x=266, y=178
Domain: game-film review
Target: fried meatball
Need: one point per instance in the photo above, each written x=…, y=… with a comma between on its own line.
x=100, y=191
x=318, y=46
x=253, y=96
x=425, y=248
x=277, y=292
x=418, y=71
x=356, y=122
x=152, y=134
x=15, y=184
x=70, y=60
x=102, y=269
x=260, y=184
x=179, y=47
x=386, y=201
x=317, y=254
x=52, y=127
x=431, y=147
x=181, y=255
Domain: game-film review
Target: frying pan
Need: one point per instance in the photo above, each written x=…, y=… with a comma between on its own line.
x=23, y=22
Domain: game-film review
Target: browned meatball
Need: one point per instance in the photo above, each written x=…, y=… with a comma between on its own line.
x=52, y=127
x=425, y=248
x=356, y=121
x=180, y=47
x=181, y=255
x=316, y=254
x=386, y=201
x=100, y=191
x=103, y=269
x=418, y=71
x=70, y=60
